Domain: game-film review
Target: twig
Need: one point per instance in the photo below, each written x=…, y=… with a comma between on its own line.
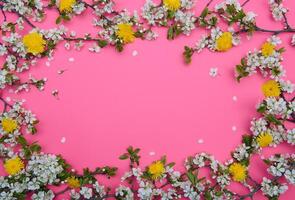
x=5, y=104
x=275, y=32
x=3, y=13
x=243, y=4
x=62, y=191
x=81, y=39
x=286, y=21
x=208, y=4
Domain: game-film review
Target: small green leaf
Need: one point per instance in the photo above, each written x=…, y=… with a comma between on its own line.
x=191, y=177
x=58, y=20
x=102, y=43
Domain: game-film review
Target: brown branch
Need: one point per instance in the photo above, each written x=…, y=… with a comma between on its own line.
x=5, y=104
x=275, y=32
x=3, y=13
x=62, y=191
x=243, y=4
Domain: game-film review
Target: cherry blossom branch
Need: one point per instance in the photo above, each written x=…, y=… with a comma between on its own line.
x=256, y=189
x=275, y=32
x=20, y=15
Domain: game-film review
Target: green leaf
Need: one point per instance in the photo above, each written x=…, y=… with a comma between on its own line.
x=124, y=156
x=208, y=195
x=191, y=177
x=58, y=20
x=102, y=43
x=22, y=141
x=261, y=108
x=272, y=119
x=35, y=148
x=170, y=33
x=187, y=54
x=247, y=140
x=204, y=12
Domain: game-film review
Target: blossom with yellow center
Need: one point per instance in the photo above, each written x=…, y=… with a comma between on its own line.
x=264, y=139
x=9, y=125
x=13, y=166
x=73, y=182
x=66, y=5
x=238, y=172
x=267, y=49
x=156, y=169
x=224, y=42
x=271, y=89
x=125, y=32
x=172, y=4
x=34, y=43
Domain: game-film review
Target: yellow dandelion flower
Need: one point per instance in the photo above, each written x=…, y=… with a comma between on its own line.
x=126, y=33
x=238, y=172
x=267, y=49
x=13, y=166
x=264, y=139
x=66, y=5
x=224, y=42
x=9, y=125
x=73, y=182
x=271, y=89
x=172, y=4
x=34, y=43
x=156, y=169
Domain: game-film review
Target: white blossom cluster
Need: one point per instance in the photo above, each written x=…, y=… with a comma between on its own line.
x=43, y=195
x=26, y=8
x=277, y=9
x=241, y=152
x=210, y=40
x=158, y=15
x=88, y=192
x=282, y=165
x=268, y=65
x=40, y=171
x=223, y=5
x=24, y=118
x=45, y=168
x=290, y=138
x=124, y=192
x=272, y=189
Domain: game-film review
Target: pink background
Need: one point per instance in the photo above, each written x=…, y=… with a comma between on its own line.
x=154, y=101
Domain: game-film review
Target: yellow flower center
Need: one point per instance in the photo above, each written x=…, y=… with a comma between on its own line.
x=238, y=172
x=13, y=166
x=264, y=139
x=73, y=182
x=9, y=125
x=156, y=169
x=172, y=4
x=66, y=5
x=271, y=89
x=267, y=49
x=125, y=32
x=34, y=43
x=224, y=42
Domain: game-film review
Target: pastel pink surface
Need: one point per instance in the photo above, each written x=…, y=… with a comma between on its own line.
x=108, y=101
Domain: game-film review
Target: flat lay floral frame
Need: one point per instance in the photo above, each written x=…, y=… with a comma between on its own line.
x=31, y=173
